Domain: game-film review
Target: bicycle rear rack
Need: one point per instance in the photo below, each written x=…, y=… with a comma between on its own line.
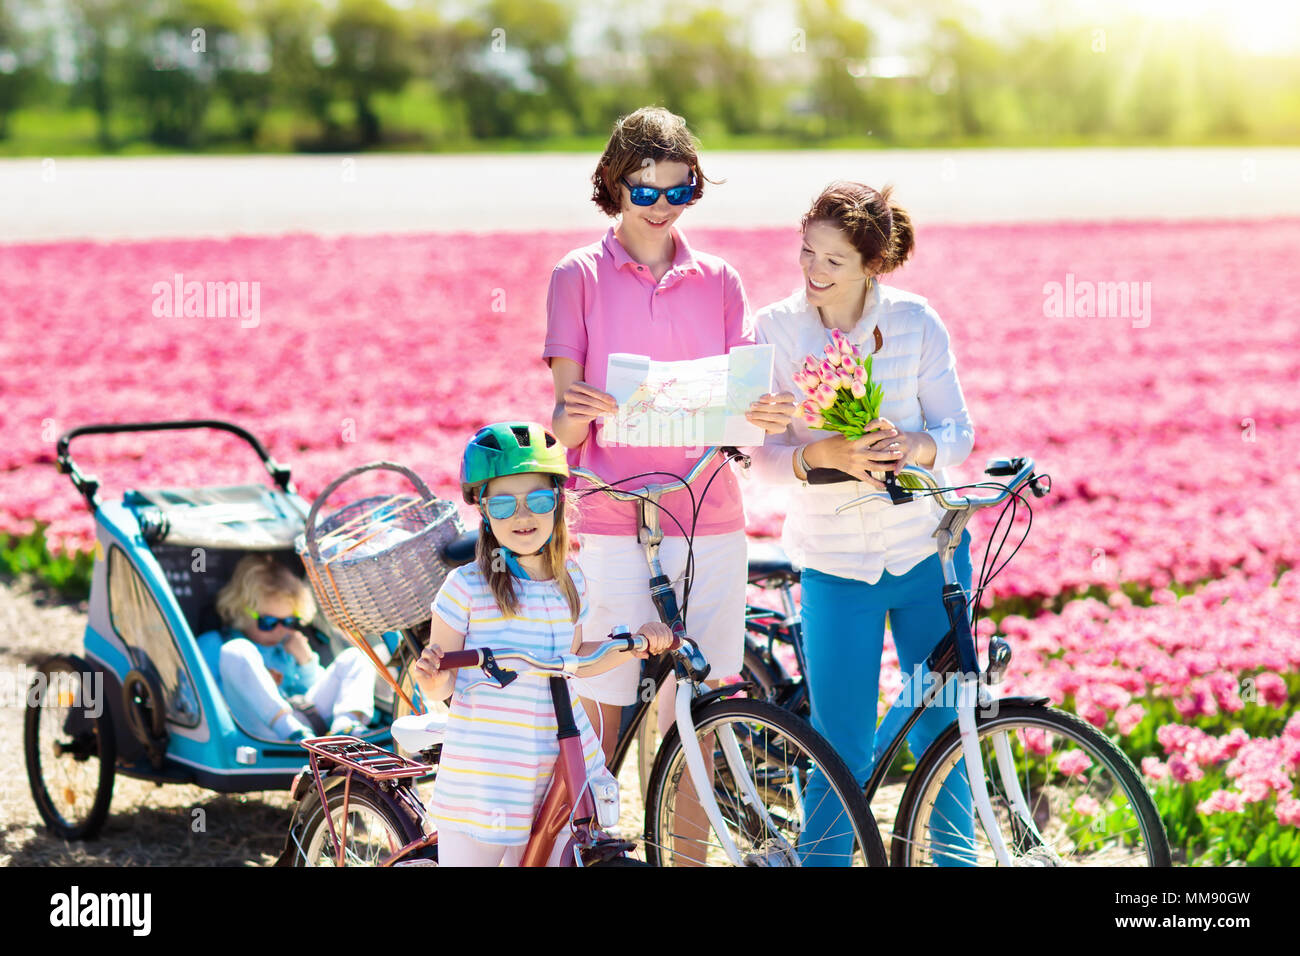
x=364, y=758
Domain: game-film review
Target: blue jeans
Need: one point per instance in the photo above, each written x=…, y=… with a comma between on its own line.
x=843, y=637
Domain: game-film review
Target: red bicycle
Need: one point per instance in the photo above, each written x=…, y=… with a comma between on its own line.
x=358, y=804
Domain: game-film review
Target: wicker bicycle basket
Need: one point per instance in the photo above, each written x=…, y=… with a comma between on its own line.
x=376, y=564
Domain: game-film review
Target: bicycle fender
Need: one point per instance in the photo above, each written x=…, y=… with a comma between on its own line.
x=1027, y=701
x=726, y=690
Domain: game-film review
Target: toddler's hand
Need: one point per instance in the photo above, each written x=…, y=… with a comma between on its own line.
x=659, y=636
x=296, y=644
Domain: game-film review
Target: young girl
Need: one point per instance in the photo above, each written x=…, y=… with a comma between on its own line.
x=644, y=289
x=271, y=678
x=522, y=593
x=878, y=558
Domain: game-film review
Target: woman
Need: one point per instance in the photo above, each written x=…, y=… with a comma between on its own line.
x=643, y=289
x=877, y=559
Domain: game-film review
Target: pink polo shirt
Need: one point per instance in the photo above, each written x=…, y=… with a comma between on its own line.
x=602, y=301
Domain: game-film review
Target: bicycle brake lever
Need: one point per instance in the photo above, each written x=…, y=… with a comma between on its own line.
x=897, y=493
x=502, y=676
x=740, y=457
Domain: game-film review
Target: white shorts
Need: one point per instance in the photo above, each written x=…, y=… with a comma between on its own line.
x=618, y=590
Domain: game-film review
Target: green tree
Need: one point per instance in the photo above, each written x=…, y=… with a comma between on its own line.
x=293, y=29
x=14, y=73
x=176, y=64
x=702, y=65
x=100, y=31
x=372, y=55
x=976, y=66
x=840, y=46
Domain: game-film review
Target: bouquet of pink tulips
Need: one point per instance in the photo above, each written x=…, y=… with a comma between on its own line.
x=841, y=395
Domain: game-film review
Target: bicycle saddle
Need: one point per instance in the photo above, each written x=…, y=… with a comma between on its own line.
x=769, y=561
x=417, y=732
x=460, y=549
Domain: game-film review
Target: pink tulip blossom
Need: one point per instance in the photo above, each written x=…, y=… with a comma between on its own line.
x=1154, y=769
x=1221, y=801
x=1073, y=762
x=1086, y=806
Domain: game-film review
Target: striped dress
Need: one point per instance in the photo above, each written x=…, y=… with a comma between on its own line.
x=499, y=751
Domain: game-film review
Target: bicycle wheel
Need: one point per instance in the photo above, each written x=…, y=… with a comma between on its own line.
x=70, y=748
x=378, y=825
x=774, y=684
x=764, y=760
x=754, y=668
x=1086, y=803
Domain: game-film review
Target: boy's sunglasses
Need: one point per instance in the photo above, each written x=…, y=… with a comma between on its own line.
x=265, y=622
x=649, y=195
x=539, y=502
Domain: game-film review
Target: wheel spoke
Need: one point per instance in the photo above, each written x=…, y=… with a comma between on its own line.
x=1060, y=807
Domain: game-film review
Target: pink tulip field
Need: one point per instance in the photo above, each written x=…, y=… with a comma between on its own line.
x=1155, y=596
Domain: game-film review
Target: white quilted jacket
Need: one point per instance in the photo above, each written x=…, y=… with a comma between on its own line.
x=921, y=392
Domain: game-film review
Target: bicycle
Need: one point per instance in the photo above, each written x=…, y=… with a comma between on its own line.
x=763, y=755
x=1058, y=757
x=369, y=794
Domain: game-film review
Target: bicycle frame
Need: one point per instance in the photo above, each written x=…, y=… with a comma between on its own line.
x=568, y=797
x=954, y=657
x=559, y=807
x=650, y=535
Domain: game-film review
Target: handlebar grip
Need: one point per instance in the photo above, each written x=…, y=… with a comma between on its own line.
x=828, y=476
x=454, y=660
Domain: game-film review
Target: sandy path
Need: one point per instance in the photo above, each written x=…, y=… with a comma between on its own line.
x=192, y=196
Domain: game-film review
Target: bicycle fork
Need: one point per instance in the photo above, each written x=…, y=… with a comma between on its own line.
x=702, y=780
x=969, y=698
x=665, y=600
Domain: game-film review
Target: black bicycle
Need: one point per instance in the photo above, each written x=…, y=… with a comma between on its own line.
x=1052, y=790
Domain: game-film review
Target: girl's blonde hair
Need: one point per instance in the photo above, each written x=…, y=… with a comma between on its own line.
x=556, y=553
x=257, y=576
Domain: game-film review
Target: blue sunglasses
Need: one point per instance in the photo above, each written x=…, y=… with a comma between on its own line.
x=265, y=622
x=649, y=195
x=539, y=502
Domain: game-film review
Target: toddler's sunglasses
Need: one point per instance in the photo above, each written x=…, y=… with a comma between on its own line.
x=539, y=502
x=265, y=622
x=649, y=195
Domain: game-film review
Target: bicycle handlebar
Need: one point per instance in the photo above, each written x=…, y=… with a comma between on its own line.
x=708, y=456
x=1022, y=470
x=564, y=664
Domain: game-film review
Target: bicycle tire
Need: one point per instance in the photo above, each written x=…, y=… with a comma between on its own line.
x=755, y=669
x=315, y=848
x=1047, y=802
x=767, y=731
x=94, y=740
x=775, y=685
x=617, y=861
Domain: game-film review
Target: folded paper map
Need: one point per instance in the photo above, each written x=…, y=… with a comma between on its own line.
x=690, y=403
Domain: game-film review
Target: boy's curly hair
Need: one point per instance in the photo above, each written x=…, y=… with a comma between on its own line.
x=651, y=134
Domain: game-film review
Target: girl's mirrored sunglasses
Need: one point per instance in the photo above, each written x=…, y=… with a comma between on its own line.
x=265, y=622
x=539, y=502
x=649, y=195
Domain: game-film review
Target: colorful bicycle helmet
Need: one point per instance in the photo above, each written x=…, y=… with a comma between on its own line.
x=509, y=448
